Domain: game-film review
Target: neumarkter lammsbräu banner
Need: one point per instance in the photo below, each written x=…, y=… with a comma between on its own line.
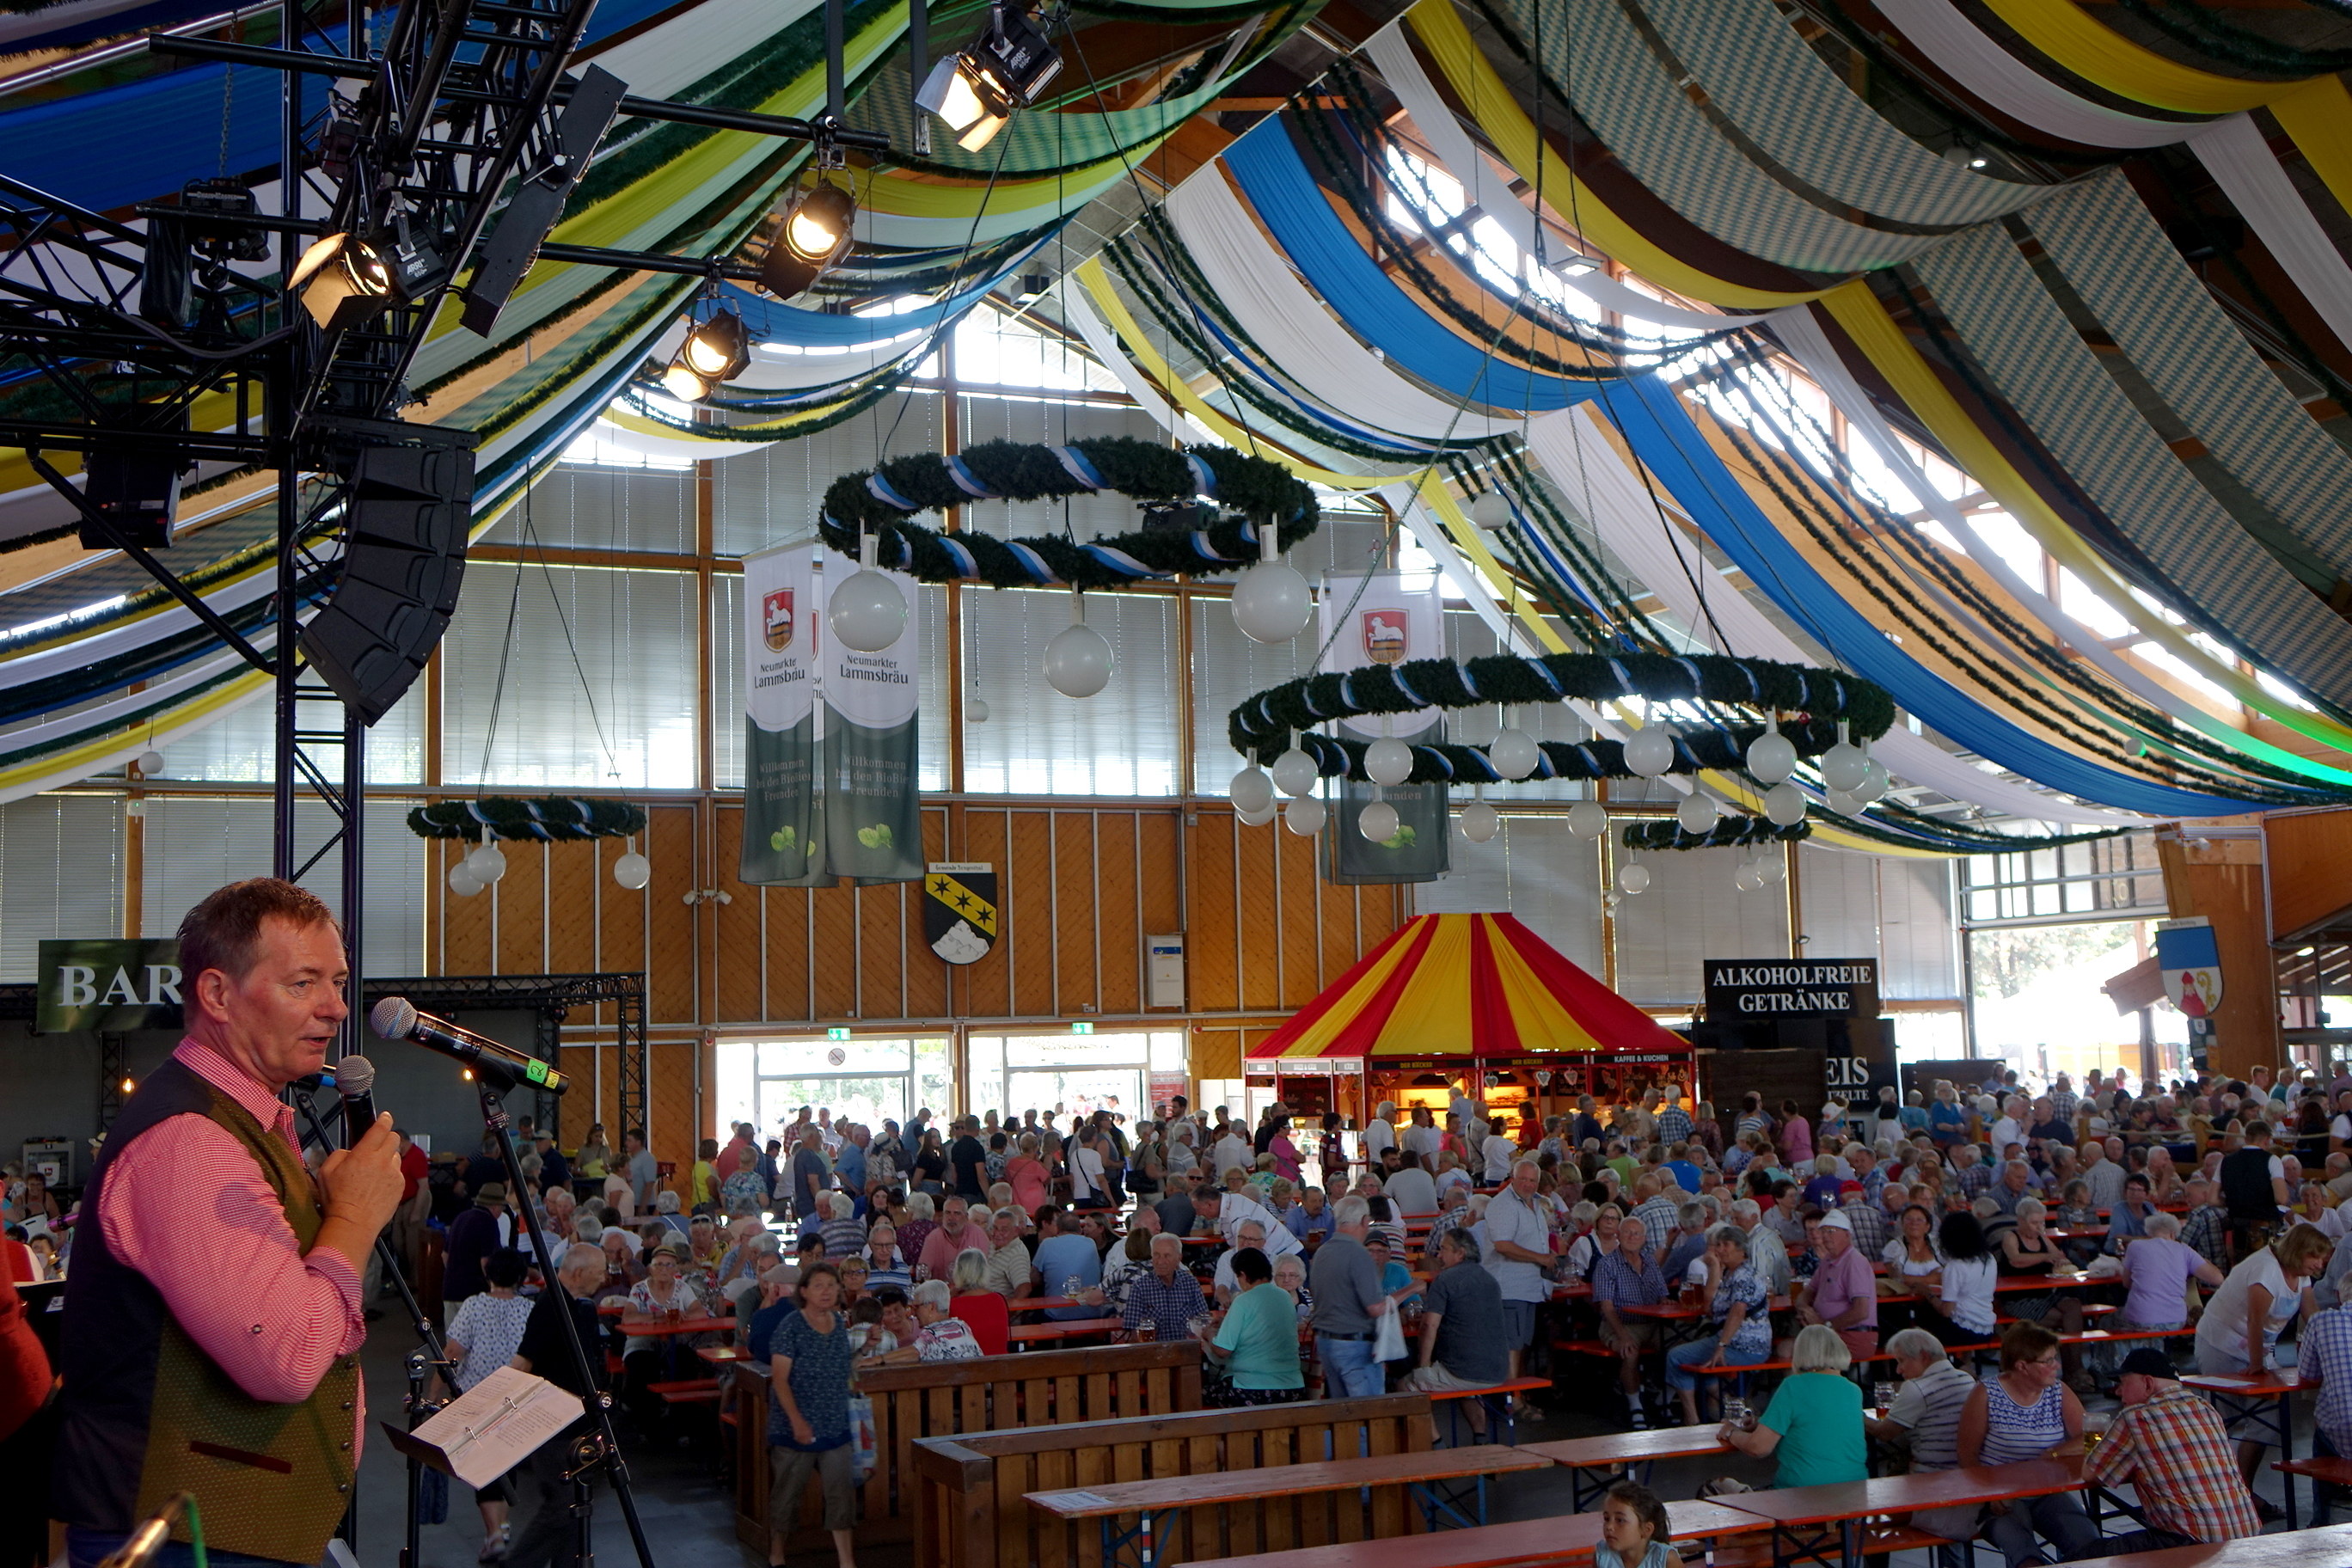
x=873, y=804
x=784, y=837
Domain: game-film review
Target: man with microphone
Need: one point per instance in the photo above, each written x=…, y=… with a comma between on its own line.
x=212, y=1318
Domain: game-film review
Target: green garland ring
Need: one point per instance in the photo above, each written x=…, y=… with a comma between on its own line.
x=1250, y=492
x=559, y=819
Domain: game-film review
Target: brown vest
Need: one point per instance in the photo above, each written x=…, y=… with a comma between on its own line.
x=147, y=1415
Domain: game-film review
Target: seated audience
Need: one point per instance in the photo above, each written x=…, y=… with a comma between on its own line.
x=2169, y=1444
x=1257, y=1340
x=2025, y=1411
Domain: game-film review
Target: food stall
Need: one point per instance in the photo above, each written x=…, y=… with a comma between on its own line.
x=1471, y=1002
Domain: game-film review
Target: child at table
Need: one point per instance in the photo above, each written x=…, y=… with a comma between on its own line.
x=1634, y=1529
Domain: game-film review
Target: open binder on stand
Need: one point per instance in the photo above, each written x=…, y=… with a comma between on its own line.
x=497, y=1425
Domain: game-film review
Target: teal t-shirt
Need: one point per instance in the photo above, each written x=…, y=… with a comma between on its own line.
x=1261, y=1329
x=1819, y=1418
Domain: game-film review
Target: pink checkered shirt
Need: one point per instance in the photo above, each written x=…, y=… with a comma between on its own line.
x=186, y=1206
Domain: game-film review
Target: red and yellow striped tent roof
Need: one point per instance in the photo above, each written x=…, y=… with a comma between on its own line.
x=1465, y=986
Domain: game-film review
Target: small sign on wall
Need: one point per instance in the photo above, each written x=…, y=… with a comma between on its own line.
x=108, y=984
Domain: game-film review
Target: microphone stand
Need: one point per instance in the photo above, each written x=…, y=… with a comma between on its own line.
x=431, y=1357
x=593, y=1450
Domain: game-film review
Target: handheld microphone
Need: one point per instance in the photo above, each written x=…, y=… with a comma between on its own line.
x=355, y=1081
x=395, y=1018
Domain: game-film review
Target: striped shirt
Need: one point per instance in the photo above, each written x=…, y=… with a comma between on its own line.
x=1929, y=1406
x=2178, y=1455
x=2015, y=1432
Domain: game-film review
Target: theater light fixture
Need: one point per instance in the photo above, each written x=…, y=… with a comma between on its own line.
x=717, y=349
x=342, y=282
x=815, y=231
x=974, y=93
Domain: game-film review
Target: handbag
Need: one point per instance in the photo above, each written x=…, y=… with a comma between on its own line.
x=861, y=1436
x=1388, y=1340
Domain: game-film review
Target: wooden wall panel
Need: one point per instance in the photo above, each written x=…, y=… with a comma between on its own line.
x=571, y=894
x=2221, y=879
x=1210, y=951
x=466, y=922
x=788, y=940
x=1261, y=923
x=735, y=956
x=672, y=1125
x=620, y=919
x=929, y=982
x=884, y=933
x=672, y=985
x=834, y=975
x=2311, y=869
x=1301, y=949
x=1031, y=865
x=1079, y=878
x=986, y=987
x=522, y=894
x=1117, y=901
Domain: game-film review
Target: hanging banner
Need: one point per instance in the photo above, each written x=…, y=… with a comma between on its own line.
x=873, y=806
x=1376, y=620
x=959, y=909
x=783, y=835
x=2190, y=955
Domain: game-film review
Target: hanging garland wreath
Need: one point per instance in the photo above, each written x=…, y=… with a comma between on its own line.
x=1249, y=492
x=1729, y=833
x=554, y=818
x=1263, y=726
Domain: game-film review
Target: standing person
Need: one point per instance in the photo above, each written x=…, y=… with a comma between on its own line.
x=1461, y=1327
x=473, y=1237
x=483, y=1337
x=1090, y=1182
x=1514, y=1245
x=214, y=1293
x=1332, y=1154
x=1028, y=1175
x=545, y=1352
x=810, y=1172
x=644, y=1171
x=2254, y=1189
x=1380, y=1134
x=2240, y=1326
x=2025, y=1412
x=808, y=1419
x=2171, y=1444
x=969, y=1159
x=1346, y=1285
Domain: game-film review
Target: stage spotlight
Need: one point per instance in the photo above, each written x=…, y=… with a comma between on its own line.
x=716, y=350
x=815, y=231
x=343, y=282
x=976, y=92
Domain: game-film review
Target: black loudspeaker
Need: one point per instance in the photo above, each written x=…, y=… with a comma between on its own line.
x=405, y=527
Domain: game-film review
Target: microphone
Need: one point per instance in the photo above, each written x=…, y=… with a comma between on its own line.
x=355, y=1081
x=395, y=1018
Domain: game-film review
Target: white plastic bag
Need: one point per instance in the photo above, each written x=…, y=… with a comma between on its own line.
x=1388, y=1343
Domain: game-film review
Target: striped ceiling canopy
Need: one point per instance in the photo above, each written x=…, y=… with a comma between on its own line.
x=1483, y=987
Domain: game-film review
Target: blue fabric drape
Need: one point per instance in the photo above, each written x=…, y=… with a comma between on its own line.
x=1662, y=435
x=1287, y=197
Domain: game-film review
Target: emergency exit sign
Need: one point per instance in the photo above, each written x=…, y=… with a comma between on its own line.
x=1082, y=1027
x=836, y=1034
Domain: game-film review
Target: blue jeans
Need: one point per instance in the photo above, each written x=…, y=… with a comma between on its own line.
x=1681, y=1357
x=1348, y=1370
x=88, y=1548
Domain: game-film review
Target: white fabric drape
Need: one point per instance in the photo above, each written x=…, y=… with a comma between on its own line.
x=1284, y=317
x=1572, y=447
x=2231, y=148
x=1490, y=188
x=1078, y=311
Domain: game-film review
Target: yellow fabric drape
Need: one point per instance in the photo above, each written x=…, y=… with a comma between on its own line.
x=1498, y=113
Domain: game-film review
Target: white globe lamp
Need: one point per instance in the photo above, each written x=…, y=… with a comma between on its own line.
x=1784, y=804
x=463, y=882
x=1633, y=877
x=1079, y=661
x=1770, y=757
x=1304, y=816
x=1257, y=818
x=1513, y=753
x=486, y=863
x=867, y=612
x=1844, y=766
x=1875, y=782
x=1295, y=773
x=1387, y=761
x=1587, y=819
x=150, y=763
x=633, y=870
x=1491, y=510
x=1271, y=600
x=1650, y=751
x=1748, y=880
x=1772, y=869
x=1251, y=790
x=1843, y=804
x=1697, y=813
x=1377, y=822
x=975, y=709
x=1479, y=822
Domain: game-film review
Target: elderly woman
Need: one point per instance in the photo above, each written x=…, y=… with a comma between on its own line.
x=982, y=1310
x=808, y=1425
x=1290, y=1278
x=1026, y=1172
x=744, y=1191
x=1736, y=1301
x=2157, y=1268
x=917, y=1227
x=2027, y=1251
x=1813, y=1424
x=939, y=1335
x=1256, y=1339
x=669, y=1289
x=842, y=1235
x=2025, y=1412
